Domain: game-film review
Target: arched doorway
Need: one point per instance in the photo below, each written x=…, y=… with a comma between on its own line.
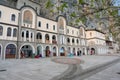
x=26, y=51
x=62, y=51
x=54, y=51
x=47, y=51
x=39, y=50
x=10, y=51
x=92, y=52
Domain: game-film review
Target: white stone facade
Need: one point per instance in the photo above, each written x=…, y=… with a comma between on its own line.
x=25, y=34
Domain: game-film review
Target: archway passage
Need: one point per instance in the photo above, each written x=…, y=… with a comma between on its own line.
x=92, y=52
x=10, y=51
x=47, y=51
x=54, y=51
x=62, y=51
x=26, y=51
x=39, y=51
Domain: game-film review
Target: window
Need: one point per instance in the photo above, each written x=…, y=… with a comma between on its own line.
x=9, y=31
x=13, y=17
x=31, y=35
x=39, y=36
x=0, y=14
x=77, y=41
x=22, y=34
x=1, y=30
x=46, y=37
x=27, y=17
x=27, y=34
x=68, y=40
x=39, y=24
x=47, y=26
x=53, y=37
x=53, y=27
x=73, y=40
x=14, y=32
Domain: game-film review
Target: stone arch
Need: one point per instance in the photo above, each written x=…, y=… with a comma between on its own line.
x=92, y=52
x=26, y=50
x=47, y=51
x=10, y=50
x=40, y=50
x=54, y=50
x=28, y=17
x=62, y=51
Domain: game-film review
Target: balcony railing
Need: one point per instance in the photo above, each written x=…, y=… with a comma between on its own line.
x=54, y=42
x=47, y=41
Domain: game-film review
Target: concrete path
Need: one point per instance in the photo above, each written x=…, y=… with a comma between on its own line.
x=47, y=69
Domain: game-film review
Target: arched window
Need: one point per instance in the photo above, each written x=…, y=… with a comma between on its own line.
x=31, y=35
x=1, y=30
x=53, y=37
x=14, y=32
x=0, y=14
x=73, y=40
x=46, y=37
x=68, y=40
x=13, y=17
x=22, y=34
x=27, y=34
x=28, y=17
x=39, y=36
x=9, y=31
x=77, y=41
x=39, y=24
x=47, y=26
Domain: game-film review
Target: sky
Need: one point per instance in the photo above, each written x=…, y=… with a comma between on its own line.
x=117, y=3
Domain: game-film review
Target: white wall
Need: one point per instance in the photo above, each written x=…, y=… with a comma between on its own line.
x=6, y=15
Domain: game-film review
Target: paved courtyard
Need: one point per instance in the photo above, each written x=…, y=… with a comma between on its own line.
x=47, y=68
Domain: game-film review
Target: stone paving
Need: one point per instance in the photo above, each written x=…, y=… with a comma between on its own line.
x=30, y=69
x=47, y=69
x=111, y=73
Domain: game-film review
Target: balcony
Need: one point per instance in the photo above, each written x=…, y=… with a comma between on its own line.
x=54, y=42
x=47, y=41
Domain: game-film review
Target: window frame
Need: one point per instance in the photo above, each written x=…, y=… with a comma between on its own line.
x=13, y=17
